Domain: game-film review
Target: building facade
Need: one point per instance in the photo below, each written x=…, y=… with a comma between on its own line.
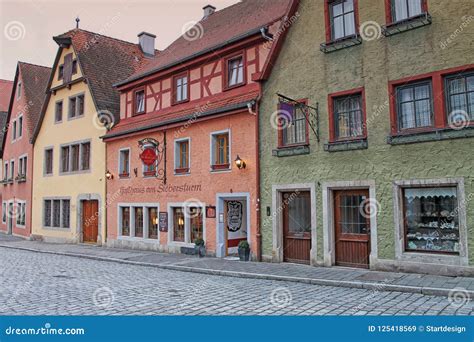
x=183, y=160
x=69, y=169
x=5, y=94
x=366, y=151
x=27, y=98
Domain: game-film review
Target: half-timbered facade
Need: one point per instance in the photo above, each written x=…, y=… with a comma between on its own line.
x=183, y=161
x=27, y=98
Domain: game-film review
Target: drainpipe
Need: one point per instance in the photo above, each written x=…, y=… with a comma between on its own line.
x=257, y=163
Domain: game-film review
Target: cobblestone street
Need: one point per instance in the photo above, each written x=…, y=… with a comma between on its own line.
x=44, y=284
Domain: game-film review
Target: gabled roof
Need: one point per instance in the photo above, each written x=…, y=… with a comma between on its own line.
x=103, y=61
x=221, y=27
x=5, y=93
x=34, y=80
x=34, y=83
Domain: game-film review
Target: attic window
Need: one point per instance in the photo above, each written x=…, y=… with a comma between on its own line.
x=139, y=101
x=235, y=71
x=61, y=72
x=18, y=92
x=74, y=66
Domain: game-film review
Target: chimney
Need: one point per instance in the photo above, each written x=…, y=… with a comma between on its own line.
x=147, y=43
x=208, y=10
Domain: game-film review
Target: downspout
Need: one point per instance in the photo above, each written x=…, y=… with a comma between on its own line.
x=257, y=163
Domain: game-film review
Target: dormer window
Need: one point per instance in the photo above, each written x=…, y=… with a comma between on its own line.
x=181, y=89
x=74, y=66
x=139, y=101
x=235, y=71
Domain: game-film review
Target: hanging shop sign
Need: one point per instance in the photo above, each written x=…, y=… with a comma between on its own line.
x=153, y=155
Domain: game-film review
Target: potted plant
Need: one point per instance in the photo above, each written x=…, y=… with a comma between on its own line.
x=244, y=251
x=199, y=247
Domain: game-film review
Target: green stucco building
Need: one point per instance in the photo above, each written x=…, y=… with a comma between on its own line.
x=367, y=137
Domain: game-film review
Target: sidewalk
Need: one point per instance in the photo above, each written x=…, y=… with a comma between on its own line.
x=335, y=276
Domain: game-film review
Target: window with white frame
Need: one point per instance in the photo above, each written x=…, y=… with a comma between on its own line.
x=14, y=130
x=5, y=171
x=220, y=150
x=187, y=223
x=56, y=213
x=12, y=169
x=181, y=156
x=181, y=88
x=4, y=212
x=124, y=163
x=20, y=126
x=139, y=220
x=21, y=214
x=22, y=166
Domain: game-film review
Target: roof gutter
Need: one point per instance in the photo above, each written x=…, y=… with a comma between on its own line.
x=195, y=115
x=195, y=55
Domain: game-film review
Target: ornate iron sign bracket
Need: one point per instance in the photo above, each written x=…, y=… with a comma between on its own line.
x=154, y=153
x=310, y=113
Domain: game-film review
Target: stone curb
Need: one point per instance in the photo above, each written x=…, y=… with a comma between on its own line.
x=430, y=291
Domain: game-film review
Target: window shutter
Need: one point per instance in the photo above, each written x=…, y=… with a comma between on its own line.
x=67, y=68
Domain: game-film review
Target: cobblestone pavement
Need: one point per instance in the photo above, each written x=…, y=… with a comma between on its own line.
x=44, y=284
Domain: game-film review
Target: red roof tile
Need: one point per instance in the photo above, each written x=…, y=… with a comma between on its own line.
x=34, y=84
x=220, y=27
x=181, y=113
x=5, y=93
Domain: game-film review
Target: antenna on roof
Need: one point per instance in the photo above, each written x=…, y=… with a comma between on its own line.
x=77, y=22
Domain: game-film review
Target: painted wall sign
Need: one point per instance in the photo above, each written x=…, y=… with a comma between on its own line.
x=211, y=211
x=234, y=216
x=163, y=221
x=162, y=188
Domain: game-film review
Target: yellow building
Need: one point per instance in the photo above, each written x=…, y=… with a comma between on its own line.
x=69, y=171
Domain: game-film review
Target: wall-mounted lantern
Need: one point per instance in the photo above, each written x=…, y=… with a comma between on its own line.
x=240, y=163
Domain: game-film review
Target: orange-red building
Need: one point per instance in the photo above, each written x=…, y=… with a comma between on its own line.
x=25, y=103
x=183, y=160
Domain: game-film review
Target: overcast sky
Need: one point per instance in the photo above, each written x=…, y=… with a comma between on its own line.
x=29, y=25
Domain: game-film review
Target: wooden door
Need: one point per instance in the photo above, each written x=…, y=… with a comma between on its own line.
x=90, y=221
x=296, y=227
x=352, y=228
